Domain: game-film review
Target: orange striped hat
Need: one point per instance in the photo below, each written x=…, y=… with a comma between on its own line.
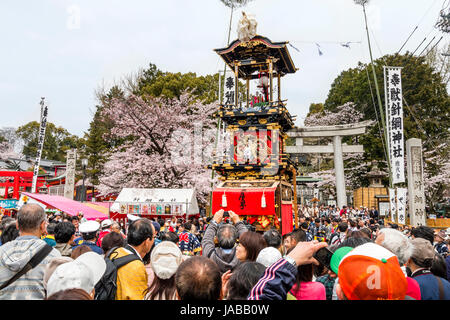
x=371, y=272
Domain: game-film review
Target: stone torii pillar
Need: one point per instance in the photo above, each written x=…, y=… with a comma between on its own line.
x=337, y=148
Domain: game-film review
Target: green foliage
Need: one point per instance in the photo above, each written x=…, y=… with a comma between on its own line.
x=56, y=142
x=426, y=112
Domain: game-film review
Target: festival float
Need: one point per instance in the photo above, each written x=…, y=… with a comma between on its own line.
x=257, y=178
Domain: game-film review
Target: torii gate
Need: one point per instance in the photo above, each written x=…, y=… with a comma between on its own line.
x=337, y=148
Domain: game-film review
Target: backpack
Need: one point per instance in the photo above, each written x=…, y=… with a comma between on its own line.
x=106, y=288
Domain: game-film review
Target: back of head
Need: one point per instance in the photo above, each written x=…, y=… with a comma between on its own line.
x=64, y=232
x=111, y=240
x=9, y=232
x=343, y=226
x=139, y=231
x=353, y=242
x=397, y=243
x=439, y=266
x=198, y=278
x=243, y=279
x=70, y=294
x=79, y=250
x=272, y=238
x=423, y=232
x=30, y=217
x=423, y=253
x=169, y=236
x=253, y=243
x=304, y=225
x=298, y=235
x=226, y=236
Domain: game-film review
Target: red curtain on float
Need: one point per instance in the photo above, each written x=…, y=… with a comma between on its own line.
x=286, y=218
x=245, y=201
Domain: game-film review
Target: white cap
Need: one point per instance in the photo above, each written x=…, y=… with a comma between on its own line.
x=268, y=256
x=89, y=226
x=106, y=223
x=132, y=217
x=165, y=259
x=82, y=273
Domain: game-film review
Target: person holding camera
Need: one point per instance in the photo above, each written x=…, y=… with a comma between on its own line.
x=227, y=234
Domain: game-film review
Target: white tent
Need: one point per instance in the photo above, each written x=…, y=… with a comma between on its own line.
x=156, y=202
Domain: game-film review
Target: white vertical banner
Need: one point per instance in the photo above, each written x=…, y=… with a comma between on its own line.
x=394, y=122
x=229, y=88
x=393, y=204
x=70, y=173
x=40, y=145
x=416, y=187
x=401, y=205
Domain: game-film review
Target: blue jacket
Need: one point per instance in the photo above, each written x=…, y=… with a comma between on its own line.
x=90, y=244
x=276, y=282
x=447, y=261
x=429, y=286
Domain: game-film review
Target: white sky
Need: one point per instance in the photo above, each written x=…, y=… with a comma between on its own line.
x=64, y=50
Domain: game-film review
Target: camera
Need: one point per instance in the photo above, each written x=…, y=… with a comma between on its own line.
x=226, y=214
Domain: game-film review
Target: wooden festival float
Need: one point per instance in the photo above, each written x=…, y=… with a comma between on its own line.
x=257, y=178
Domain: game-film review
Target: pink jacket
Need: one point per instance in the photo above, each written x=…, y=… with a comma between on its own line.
x=309, y=291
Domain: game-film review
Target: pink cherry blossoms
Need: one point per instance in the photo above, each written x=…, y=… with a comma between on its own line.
x=166, y=144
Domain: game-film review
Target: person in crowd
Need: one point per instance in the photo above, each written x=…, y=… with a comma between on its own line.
x=314, y=228
x=280, y=277
x=396, y=242
x=198, y=278
x=79, y=250
x=420, y=262
x=304, y=288
x=70, y=294
x=169, y=236
x=294, y=237
x=51, y=267
x=268, y=256
x=10, y=232
x=423, y=232
x=371, y=272
x=224, y=255
x=250, y=244
x=89, y=232
x=165, y=260
x=132, y=279
x=49, y=238
x=272, y=238
x=81, y=273
x=157, y=227
x=304, y=227
x=105, y=228
x=236, y=285
x=112, y=240
x=339, y=236
x=81, y=217
x=32, y=224
x=64, y=236
x=440, y=246
x=188, y=243
x=439, y=267
x=115, y=227
x=76, y=222
x=5, y=221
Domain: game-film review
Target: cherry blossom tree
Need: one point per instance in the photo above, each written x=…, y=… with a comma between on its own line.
x=436, y=173
x=166, y=143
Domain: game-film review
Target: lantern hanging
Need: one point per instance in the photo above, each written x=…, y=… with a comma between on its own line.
x=224, y=200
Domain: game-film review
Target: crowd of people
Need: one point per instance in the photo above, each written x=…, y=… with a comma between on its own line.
x=57, y=257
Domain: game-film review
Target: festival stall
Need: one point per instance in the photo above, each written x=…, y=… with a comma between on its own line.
x=68, y=206
x=151, y=203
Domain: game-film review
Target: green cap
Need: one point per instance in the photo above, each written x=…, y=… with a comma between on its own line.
x=337, y=257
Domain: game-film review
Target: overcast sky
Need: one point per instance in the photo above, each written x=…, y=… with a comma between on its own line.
x=65, y=49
